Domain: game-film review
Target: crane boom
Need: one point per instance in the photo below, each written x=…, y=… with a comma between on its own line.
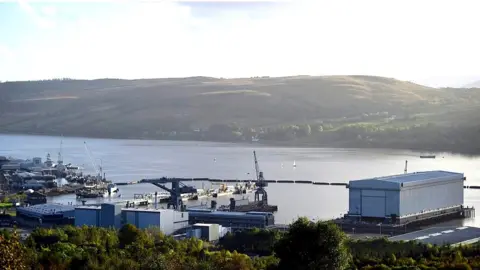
x=95, y=167
x=257, y=168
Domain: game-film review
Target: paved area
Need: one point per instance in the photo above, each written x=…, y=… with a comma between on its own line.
x=442, y=235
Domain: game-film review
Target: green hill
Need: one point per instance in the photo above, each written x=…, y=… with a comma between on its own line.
x=150, y=108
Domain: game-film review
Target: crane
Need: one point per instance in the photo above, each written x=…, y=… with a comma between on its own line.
x=98, y=169
x=176, y=191
x=260, y=194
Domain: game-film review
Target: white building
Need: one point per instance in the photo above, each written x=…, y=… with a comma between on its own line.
x=406, y=195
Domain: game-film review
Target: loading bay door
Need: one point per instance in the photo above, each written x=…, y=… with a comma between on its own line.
x=373, y=204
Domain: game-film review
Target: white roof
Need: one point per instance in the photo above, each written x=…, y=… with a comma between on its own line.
x=203, y=225
x=405, y=180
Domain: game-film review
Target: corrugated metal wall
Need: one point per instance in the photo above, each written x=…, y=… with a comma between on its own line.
x=88, y=217
x=374, y=203
x=148, y=219
x=392, y=203
x=431, y=197
x=354, y=201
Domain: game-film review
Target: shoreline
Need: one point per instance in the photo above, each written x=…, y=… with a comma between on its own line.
x=264, y=143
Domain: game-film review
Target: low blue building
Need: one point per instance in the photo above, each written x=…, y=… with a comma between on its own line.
x=106, y=215
x=47, y=213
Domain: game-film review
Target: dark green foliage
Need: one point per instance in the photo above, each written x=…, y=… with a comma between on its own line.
x=259, y=242
x=313, y=245
x=306, y=245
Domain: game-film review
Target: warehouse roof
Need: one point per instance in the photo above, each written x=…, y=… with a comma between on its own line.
x=407, y=179
x=40, y=210
x=442, y=236
x=418, y=176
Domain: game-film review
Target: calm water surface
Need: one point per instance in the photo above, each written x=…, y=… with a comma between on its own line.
x=128, y=160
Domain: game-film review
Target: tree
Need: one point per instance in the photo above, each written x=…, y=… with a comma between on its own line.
x=313, y=245
x=11, y=254
x=128, y=234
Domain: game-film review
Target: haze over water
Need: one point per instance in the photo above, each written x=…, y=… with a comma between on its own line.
x=129, y=160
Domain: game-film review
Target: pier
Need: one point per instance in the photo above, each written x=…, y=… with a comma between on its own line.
x=213, y=180
x=286, y=181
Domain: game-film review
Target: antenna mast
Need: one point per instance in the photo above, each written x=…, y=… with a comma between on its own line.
x=60, y=156
x=95, y=167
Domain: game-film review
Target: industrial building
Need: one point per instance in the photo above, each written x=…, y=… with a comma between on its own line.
x=406, y=197
x=234, y=220
x=208, y=232
x=48, y=213
x=114, y=216
x=442, y=236
x=168, y=220
x=107, y=215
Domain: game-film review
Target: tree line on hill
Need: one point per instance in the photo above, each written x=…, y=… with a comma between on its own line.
x=460, y=138
x=306, y=245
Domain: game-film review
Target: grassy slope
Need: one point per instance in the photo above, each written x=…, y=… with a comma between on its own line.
x=128, y=108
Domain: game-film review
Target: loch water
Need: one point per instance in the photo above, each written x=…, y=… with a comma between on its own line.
x=131, y=160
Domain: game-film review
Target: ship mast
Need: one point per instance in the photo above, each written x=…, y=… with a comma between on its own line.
x=98, y=169
x=60, y=157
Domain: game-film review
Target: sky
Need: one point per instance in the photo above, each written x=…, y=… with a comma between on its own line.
x=433, y=42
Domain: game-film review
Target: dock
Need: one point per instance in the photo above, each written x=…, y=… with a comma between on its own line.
x=286, y=181
x=214, y=180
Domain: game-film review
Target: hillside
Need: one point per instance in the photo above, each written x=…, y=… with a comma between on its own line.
x=475, y=84
x=151, y=108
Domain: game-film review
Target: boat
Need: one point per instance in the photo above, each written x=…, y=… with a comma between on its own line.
x=294, y=164
x=224, y=190
x=112, y=188
x=427, y=156
x=243, y=189
x=91, y=193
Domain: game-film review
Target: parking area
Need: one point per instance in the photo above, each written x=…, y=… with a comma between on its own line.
x=442, y=236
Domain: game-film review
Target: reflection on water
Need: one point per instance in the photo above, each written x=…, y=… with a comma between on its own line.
x=130, y=160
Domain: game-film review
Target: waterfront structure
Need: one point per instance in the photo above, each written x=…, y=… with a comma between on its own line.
x=406, y=197
x=234, y=220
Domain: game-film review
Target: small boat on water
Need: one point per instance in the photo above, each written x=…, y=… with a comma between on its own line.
x=427, y=156
x=91, y=193
x=112, y=188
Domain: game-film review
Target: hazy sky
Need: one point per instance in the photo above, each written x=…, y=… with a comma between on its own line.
x=432, y=42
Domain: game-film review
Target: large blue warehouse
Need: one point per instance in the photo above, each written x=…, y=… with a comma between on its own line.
x=407, y=195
